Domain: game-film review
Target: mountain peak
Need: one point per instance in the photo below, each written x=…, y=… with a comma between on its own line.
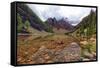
x=60, y=24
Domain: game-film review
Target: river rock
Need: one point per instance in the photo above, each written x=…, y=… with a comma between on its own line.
x=88, y=55
x=71, y=52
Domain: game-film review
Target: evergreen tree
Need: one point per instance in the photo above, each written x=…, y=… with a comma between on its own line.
x=27, y=24
x=19, y=23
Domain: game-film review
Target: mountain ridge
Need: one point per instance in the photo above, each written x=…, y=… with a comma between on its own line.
x=52, y=25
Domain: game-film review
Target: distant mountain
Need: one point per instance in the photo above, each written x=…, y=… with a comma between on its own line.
x=60, y=24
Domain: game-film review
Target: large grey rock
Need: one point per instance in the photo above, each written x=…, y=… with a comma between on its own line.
x=71, y=52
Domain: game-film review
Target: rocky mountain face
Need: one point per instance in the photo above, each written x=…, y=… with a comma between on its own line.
x=60, y=24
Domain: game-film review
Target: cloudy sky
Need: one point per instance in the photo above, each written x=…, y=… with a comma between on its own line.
x=72, y=13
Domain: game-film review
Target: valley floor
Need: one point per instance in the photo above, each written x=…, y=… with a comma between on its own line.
x=51, y=48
